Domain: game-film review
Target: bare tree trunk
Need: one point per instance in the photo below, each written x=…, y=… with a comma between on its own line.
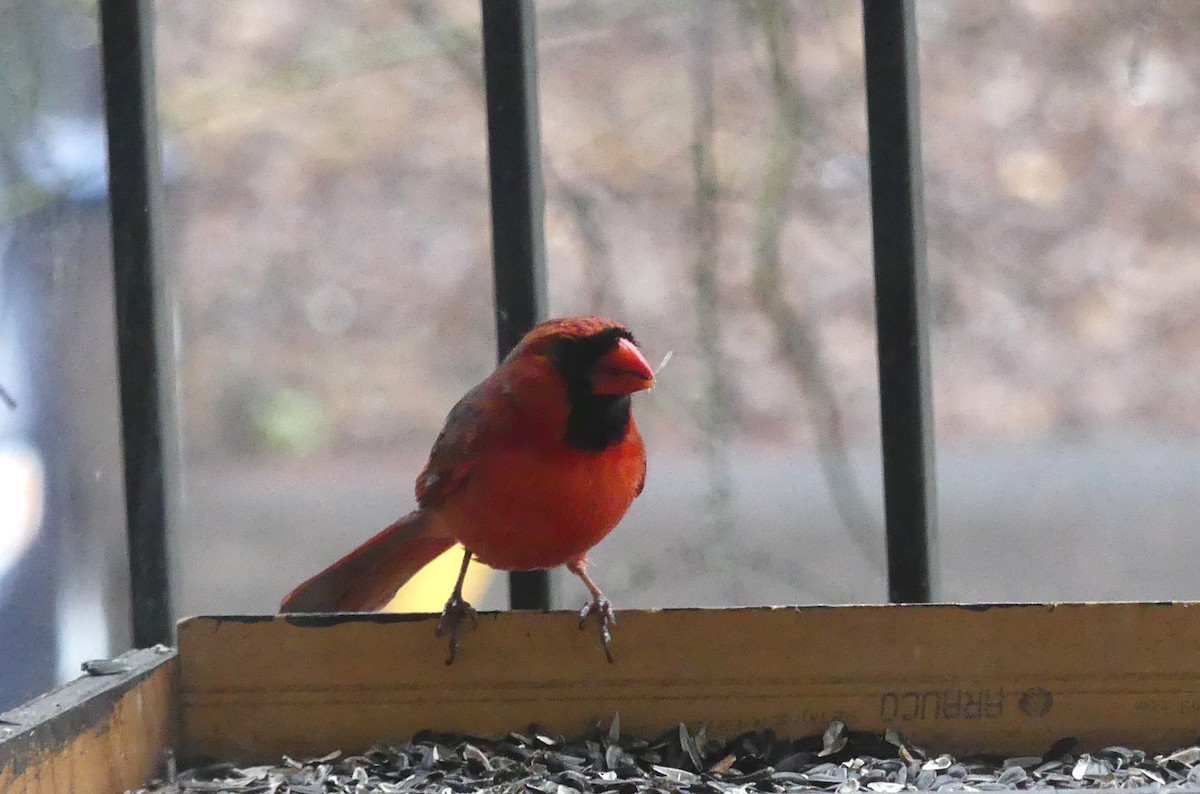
x=794, y=334
x=580, y=206
x=715, y=408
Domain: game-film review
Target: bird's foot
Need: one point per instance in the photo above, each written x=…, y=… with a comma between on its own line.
x=602, y=608
x=452, y=615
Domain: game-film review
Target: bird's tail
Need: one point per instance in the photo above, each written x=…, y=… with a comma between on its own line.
x=366, y=579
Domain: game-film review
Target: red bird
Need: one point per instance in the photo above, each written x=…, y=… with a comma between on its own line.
x=534, y=467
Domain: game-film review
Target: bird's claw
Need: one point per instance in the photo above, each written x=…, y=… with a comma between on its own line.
x=453, y=613
x=602, y=608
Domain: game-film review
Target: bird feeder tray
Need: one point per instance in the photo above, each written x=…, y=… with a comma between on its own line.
x=1003, y=679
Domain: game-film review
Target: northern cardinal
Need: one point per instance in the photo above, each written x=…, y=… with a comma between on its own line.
x=534, y=467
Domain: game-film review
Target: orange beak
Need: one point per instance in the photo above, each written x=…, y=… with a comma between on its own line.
x=623, y=371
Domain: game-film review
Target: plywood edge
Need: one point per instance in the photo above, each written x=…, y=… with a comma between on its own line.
x=97, y=734
x=955, y=678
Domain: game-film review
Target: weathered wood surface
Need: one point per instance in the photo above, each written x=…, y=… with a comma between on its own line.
x=98, y=734
x=1008, y=679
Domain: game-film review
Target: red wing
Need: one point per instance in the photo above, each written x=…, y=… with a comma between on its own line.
x=456, y=449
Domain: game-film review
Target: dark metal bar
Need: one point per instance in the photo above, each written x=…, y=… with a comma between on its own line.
x=514, y=165
x=893, y=128
x=126, y=30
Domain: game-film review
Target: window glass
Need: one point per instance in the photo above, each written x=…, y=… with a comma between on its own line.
x=63, y=574
x=1061, y=144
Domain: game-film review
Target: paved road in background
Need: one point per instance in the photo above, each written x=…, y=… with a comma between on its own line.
x=1109, y=521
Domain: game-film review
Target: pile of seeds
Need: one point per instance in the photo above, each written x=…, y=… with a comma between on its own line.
x=605, y=761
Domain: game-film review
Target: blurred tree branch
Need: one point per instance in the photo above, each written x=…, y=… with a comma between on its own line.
x=19, y=26
x=795, y=336
x=715, y=414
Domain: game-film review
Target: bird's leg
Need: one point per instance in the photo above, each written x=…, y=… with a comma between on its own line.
x=600, y=606
x=456, y=609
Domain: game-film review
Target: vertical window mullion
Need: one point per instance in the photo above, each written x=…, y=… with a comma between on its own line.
x=126, y=29
x=901, y=303
x=517, y=201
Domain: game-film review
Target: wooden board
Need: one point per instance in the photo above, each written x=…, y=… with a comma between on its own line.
x=1008, y=679
x=95, y=735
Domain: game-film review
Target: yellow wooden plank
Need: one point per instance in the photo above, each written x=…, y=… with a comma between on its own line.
x=1007, y=679
x=94, y=735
